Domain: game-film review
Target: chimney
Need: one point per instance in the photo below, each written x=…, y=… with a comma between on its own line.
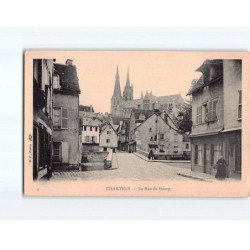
x=69, y=62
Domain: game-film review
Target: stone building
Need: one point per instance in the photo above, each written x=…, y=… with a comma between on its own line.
x=108, y=138
x=216, y=116
x=121, y=103
x=66, y=132
x=42, y=117
x=160, y=135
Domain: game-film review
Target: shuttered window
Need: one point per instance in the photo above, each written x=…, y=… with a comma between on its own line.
x=199, y=115
x=64, y=118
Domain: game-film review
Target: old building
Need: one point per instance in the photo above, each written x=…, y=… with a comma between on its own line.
x=66, y=132
x=159, y=134
x=108, y=138
x=121, y=103
x=90, y=134
x=42, y=117
x=216, y=105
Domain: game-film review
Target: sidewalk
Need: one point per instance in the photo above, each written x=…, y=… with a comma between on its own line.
x=186, y=173
x=166, y=161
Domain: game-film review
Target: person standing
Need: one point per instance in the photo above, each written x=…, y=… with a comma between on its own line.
x=221, y=167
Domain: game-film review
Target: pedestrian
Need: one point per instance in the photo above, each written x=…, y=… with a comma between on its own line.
x=221, y=167
x=150, y=155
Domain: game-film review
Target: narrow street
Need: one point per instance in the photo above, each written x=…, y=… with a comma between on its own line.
x=129, y=166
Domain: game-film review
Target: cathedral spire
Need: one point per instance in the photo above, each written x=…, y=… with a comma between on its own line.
x=128, y=81
x=117, y=89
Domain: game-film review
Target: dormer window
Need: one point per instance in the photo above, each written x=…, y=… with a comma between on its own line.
x=56, y=83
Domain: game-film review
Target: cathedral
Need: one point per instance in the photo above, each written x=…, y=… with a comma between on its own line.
x=122, y=103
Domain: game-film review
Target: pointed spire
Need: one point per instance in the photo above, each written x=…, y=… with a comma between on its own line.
x=128, y=81
x=117, y=72
x=117, y=89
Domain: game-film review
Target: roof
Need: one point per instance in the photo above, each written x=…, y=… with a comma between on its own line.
x=68, y=78
x=116, y=120
x=204, y=80
x=170, y=98
x=138, y=112
x=104, y=126
x=216, y=62
x=86, y=108
x=87, y=121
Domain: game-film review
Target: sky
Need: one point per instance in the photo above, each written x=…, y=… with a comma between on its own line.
x=164, y=73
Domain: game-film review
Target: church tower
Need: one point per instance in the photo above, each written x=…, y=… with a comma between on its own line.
x=116, y=98
x=128, y=90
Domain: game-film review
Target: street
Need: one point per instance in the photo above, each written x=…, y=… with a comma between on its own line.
x=129, y=166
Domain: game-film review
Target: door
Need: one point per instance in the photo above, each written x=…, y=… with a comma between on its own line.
x=206, y=158
x=231, y=160
x=65, y=152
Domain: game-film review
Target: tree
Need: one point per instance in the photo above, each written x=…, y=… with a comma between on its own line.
x=184, y=119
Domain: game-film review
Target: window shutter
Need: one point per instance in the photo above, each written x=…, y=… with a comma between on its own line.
x=214, y=109
x=210, y=107
x=64, y=118
x=65, y=152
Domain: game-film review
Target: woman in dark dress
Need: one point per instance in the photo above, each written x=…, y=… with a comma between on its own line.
x=221, y=167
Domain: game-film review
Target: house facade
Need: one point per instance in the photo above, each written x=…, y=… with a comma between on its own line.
x=158, y=135
x=108, y=138
x=66, y=132
x=42, y=117
x=90, y=133
x=216, y=116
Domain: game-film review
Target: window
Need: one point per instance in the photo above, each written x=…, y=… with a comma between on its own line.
x=107, y=140
x=60, y=118
x=85, y=128
x=94, y=139
x=64, y=118
x=162, y=149
x=57, y=151
x=175, y=146
x=240, y=105
x=199, y=115
x=151, y=138
x=108, y=132
x=90, y=128
x=96, y=129
x=155, y=137
x=211, y=113
x=86, y=138
x=150, y=129
x=56, y=84
x=162, y=136
x=187, y=146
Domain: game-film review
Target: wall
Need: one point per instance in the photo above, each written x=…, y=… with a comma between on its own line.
x=213, y=91
x=90, y=133
x=70, y=135
x=113, y=138
x=143, y=135
x=232, y=85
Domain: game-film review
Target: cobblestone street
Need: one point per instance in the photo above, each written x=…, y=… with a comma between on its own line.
x=129, y=166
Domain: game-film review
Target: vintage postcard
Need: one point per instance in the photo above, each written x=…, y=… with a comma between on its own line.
x=136, y=123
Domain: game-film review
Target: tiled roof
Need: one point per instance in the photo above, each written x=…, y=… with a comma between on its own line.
x=197, y=85
x=86, y=121
x=86, y=108
x=68, y=78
